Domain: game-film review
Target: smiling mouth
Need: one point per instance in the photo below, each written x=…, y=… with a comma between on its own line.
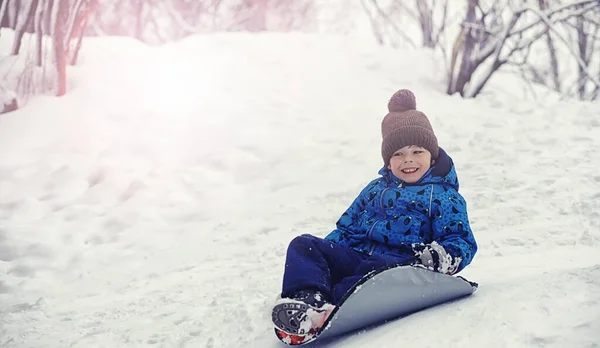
x=409, y=170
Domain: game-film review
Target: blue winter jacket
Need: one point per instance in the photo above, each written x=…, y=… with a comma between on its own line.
x=389, y=215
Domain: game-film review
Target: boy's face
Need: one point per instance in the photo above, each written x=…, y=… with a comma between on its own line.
x=410, y=163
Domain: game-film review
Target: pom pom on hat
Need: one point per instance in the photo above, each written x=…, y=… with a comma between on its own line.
x=403, y=100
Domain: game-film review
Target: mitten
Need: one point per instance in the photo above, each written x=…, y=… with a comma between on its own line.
x=434, y=257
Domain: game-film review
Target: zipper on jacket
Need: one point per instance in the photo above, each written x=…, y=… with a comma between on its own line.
x=430, y=200
x=371, y=229
x=371, y=251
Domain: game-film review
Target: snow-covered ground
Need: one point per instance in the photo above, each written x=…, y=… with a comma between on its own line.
x=153, y=204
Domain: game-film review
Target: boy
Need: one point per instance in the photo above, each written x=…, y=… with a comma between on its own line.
x=411, y=215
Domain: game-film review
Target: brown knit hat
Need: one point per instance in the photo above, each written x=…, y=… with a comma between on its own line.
x=404, y=126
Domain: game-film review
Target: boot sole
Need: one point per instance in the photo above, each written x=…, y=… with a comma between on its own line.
x=289, y=316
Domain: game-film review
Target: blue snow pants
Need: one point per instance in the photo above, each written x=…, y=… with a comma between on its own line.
x=318, y=264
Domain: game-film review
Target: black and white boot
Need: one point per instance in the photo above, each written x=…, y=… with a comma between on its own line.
x=302, y=314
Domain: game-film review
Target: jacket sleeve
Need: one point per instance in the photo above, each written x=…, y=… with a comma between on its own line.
x=348, y=223
x=451, y=227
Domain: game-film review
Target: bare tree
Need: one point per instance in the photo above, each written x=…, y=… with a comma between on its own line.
x=139, y=7
x=250, y=15
x=389, y=21
x=187, y=17
x=24, y=21
x=159, y=21
x=78, y=20
x=587, y=41
x=385, y=24
x=263, y=15
x=285, y=15
x=500, y=33
x=543, y=4
x=59, y=13
x=58, y=26
x=426, y=21
x=487, y=42
x=39, y=29
x=465, y=44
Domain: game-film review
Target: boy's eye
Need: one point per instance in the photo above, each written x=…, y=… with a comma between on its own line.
x=418, y=152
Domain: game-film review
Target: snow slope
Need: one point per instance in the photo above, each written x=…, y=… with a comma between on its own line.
x=152, y=205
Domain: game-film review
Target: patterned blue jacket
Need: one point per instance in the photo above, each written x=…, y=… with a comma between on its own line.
x=389, y=215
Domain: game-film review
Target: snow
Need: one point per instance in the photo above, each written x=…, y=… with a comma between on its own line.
x=152, y=205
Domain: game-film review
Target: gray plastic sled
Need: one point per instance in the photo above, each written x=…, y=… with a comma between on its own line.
x=389, y=294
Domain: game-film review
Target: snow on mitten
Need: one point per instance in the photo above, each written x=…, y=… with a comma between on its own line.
x=434, y=257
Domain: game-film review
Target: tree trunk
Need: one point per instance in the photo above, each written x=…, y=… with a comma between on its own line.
x=426, y=22
x=466, y=67
x=80, y=23
x=596, y=91
x=22, y=26
x=139, y=25
x=552, y=50
x=582, y=45
x=58, y=38
x=3, y=14
x=75, y=54
x=13, y=13
x=39, y=30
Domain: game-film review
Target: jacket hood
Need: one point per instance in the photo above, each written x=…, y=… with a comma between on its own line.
x=442, y=172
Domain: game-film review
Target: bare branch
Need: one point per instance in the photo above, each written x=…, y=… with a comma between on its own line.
x=595, y=35
x=523, y=72
x=393, y=24
x=442, y=28
x=23, y=22
x=480, y=28
x=595, y=93
x=406, y=9
x=376, y=32
x=498, y=44
x=594, y=38
x=527, y=44
x=594, y=20
x=181, y=22
x=73, y=17
x=39, y=30
x=581, y=63
x=587, y=6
